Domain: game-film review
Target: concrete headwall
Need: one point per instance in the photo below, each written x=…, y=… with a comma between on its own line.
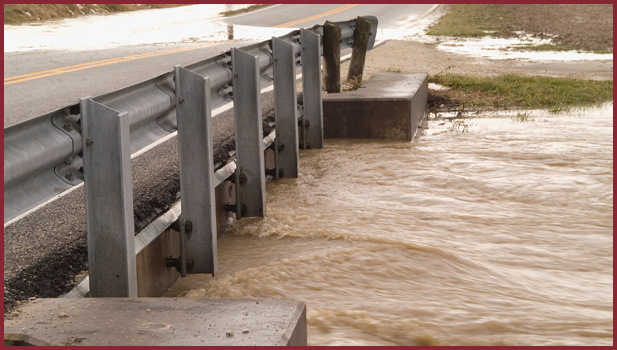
x=387, y=106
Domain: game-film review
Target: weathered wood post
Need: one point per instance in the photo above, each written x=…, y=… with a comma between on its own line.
x=332, y=57
x=230, y=32
x=361, y=36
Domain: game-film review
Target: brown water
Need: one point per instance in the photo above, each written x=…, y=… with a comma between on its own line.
x=487, y=231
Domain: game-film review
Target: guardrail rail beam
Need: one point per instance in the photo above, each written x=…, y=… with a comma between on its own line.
x=42, y=155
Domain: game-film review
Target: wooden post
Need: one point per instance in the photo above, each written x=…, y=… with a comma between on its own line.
x=358, y=54
x=230, y=31
x=332, y=57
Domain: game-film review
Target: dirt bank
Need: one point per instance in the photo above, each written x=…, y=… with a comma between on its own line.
x=25, y=13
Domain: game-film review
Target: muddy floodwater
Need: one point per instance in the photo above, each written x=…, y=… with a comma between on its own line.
x=483, y=231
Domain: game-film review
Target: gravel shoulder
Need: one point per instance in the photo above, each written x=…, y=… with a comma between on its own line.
x=416, y=56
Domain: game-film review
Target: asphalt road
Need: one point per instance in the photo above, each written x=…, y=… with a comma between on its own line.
x=28, y=99
x=44, y=251
x=303, y=15
x=37, y=94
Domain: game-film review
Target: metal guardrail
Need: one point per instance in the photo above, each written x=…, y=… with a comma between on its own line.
x=107, y=164
x=43, y=156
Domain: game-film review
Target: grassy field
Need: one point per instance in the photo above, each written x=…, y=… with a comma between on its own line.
x=587, y=27
x=23, y=13
x=244, y=10
x=513, y=91
x=475, y=21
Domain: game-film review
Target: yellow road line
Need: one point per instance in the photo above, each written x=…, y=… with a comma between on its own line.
x=57, y=71
x=289, y=24
x=88, y=65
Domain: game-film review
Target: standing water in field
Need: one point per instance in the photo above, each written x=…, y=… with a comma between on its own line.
x=483, y=231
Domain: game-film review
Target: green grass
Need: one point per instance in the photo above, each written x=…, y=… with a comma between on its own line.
x=513, y=91
x=553, y=47
x=474, y=20
x=244, y=10
x=543, y=47
x=523, y=117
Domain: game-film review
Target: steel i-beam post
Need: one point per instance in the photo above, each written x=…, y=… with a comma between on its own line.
x=198, y=243
x=285, y=109
x=109, y=201
x=250, y=178
x=311, y=89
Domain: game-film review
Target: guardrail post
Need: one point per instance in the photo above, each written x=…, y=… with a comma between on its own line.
x=332, y=57
x=361, y=35
x=250, y=178
x=312, y=126
x=285, y=109
x=109, y=201
x=198, y=243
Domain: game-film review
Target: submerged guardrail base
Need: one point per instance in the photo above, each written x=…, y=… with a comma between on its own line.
x=154, y=277
x=159, y=321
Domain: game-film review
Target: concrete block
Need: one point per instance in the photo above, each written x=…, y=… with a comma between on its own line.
x=153, y=276
x=387, y=106
x=158, y=321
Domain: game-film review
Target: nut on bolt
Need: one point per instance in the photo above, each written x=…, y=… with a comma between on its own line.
x=243, y=178
x=89, y=141
x=188, y=226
